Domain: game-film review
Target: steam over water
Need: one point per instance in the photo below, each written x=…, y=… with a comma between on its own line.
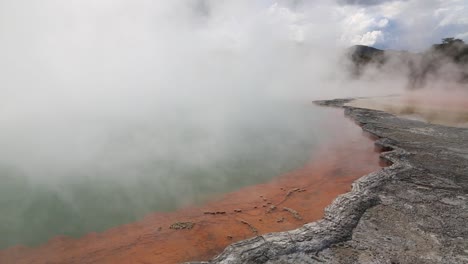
x=153, y=166
x=110, y=110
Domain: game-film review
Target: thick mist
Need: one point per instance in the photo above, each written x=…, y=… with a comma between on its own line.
x=102, y=99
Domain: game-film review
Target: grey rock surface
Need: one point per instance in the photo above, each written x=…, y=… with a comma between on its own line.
x=414, y=211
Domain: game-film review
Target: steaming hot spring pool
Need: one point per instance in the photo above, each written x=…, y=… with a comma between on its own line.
x=88, y=176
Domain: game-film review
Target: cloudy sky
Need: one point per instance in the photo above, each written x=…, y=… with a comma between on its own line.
x=404, y=24
x=395, y=24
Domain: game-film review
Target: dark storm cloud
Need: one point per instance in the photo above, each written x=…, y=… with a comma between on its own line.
x=364, y=2
x=201, y=7
x=294, y=3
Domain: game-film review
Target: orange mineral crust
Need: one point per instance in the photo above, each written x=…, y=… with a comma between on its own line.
x=200, y=233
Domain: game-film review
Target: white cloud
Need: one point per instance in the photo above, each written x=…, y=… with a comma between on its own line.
x=463, y=36
x=453, y=15
x=392, y=9
x=369, y=38
x=413, y=24
x=362, y=27
x=382, y=23
x=360, y=21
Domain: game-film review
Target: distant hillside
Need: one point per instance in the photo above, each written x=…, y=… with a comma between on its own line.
x=448, y=60
x=361, y=56
x=445, y=61
x=454, y=49
x=365, y=54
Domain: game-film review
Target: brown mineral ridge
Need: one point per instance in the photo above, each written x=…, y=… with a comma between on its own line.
x=307, y=191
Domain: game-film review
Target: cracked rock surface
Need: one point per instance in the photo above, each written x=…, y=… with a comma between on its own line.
x=415, y=211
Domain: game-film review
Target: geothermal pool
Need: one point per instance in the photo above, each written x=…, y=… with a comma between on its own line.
x=134, y=169
x=301, y=159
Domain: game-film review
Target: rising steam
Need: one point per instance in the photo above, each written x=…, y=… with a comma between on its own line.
x=109, y=96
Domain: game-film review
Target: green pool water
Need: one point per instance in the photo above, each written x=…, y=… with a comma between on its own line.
x=145, y=166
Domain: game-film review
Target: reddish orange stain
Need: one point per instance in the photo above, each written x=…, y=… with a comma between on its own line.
x=329, y=173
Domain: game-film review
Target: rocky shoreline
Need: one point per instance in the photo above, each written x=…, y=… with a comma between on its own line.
x=414, y=211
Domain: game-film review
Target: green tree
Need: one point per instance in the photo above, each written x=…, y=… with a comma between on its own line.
x=450, y=41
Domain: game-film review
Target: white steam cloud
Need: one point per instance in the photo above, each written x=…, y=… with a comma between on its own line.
x=113, y=89
x=75, y=72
